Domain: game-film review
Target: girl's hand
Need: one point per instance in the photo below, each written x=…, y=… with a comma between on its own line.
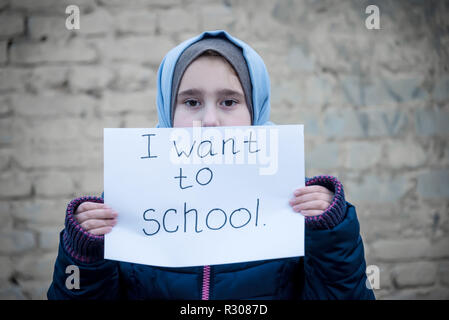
x=96, y=218
x=311, y=200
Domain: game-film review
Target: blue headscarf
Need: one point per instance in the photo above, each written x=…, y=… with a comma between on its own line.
x=257, y=70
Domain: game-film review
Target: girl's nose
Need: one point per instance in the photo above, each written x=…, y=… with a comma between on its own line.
x=210, y=117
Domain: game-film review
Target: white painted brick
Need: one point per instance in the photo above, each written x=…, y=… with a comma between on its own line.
x=68, y=155
x=54, y=184
x=43, y=78
x=139, y=22
x=324, y=156
x=217, y=17
x=49, y=6
x=434, y=184
x=89, y=182
x=3, y=51
x=415, y=274
x=114, y=103
x=95, y=23
x=35, y=289
x=431, y=122
x=48, y=238
x=11, y=25
x=51, y=51
x=36, y=266
x=402, y=153
x=16, y=241
x=362, y=155
x=148, y=49
x=176, y=20
x=5, y=159
x=14, y=184
x=40, y=212
x=140, y=3
x=379, y=189
x=51, y=27
x=132, y=77
x=89, y=77
x=12, y=79
x=444, y=272
x=7, y=267
x=401, y=249
x=11, y=292
x=52, y=105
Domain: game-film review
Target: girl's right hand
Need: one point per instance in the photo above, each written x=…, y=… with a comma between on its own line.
x=96, y=218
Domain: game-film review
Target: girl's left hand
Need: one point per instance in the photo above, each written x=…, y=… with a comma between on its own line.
x=311, y=200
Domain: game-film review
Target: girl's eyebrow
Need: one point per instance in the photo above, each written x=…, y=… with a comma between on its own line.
x=222, y=92
x=190, y=92
x=230, y=92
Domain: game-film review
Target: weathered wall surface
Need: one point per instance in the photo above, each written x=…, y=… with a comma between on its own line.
x=375, y=104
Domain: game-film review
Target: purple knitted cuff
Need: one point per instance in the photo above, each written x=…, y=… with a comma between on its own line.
x=336, y=212
x=80, y=244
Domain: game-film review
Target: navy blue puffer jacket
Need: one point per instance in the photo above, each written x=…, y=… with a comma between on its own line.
x=333, y=266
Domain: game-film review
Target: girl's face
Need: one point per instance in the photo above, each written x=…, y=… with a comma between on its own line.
x=210, y=92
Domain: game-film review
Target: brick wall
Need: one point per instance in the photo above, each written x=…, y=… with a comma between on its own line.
x=375, y=104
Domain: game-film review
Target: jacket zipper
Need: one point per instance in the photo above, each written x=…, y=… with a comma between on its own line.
x=206, y=283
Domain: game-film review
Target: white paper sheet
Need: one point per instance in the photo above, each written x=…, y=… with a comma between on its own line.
x=228, y=204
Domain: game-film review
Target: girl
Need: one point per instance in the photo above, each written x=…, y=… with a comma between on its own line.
x=218, y=80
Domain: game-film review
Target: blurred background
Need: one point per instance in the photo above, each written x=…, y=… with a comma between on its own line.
x=374, y=102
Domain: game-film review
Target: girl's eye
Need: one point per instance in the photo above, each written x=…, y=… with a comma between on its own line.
x=192, y=103
x=229, y=103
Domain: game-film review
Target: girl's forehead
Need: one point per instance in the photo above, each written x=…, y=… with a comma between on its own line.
x=210, y=71
x=209, y=62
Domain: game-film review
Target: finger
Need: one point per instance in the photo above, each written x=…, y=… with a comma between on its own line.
x=311, y=213
x=86, y=206
x=310, y=197
x=97, y=223
x=101, y=231
x=96, y=214
x=311, y=189
x=312, y=205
